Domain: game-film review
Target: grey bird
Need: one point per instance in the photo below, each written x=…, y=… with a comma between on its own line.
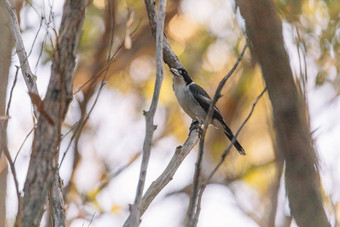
x=195, y=101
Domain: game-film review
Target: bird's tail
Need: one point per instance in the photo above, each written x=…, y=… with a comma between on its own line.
x=236, y=144
x=223, y=126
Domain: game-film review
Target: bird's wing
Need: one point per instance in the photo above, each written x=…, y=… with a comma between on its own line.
x=204, y=100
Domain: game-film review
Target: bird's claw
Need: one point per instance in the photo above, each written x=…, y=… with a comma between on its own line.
x=195, y=125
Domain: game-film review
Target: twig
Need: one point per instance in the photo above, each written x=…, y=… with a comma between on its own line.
x=149, y=115
x=109, y=61
x=22, y=144
x=36, y=36
x=108, y=64
x=29, y=77
x=166, y=176
x=70, y=130
x=226, y=151
x=92, y=218
x=3, y=146
x=11, y=95
x=80, y=125
x=193, y=201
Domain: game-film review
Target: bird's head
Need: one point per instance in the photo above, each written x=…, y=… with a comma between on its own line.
x=182, y=74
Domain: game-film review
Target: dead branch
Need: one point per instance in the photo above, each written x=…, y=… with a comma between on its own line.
x=191, y=218
x=29, y=77
x=149, y=115
x=157, y=186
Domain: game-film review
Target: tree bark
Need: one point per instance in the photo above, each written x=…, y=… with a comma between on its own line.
x=264, y=29
x=44, y=158
x=5, y=62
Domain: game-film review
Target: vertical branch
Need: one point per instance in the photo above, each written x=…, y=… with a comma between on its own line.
x=292, y=130
x=5, y=62
x=103, y=59
x=149, y=115
x=190, y=218
x=224, y=155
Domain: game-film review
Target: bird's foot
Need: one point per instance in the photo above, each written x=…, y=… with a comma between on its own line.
x=195, y=125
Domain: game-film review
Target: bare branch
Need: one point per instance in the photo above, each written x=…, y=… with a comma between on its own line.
x=29, y=77
x=80, y=125
x=11, y=94
x=167, y=175
x=22, y=144
x=149, y=115
x=224, y=155
x=169, y=56
x=4, y=148
x=192, y=221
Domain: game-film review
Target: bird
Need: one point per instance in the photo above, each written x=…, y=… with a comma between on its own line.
x=196, y=102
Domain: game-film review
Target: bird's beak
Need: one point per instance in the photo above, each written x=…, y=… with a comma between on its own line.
x=175, y=71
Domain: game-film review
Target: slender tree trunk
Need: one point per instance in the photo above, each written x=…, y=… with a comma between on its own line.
x=43, y=169
x=264, y=29
x=5, y=61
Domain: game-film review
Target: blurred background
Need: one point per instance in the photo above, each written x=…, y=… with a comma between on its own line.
x=102, y=159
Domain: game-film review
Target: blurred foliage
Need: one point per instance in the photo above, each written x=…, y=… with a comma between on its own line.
x=208, y=44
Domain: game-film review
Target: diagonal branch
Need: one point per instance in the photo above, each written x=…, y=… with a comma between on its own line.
x=149, y=115
x=224, y=155
x=169, y=55
x=166, y=176
x=29, y=77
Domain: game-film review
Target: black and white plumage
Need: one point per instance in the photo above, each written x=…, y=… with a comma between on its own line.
x=195, y=101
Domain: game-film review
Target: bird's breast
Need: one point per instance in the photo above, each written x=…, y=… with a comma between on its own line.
x=188, y=102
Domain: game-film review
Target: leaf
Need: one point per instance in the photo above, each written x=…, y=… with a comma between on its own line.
x=36, y=100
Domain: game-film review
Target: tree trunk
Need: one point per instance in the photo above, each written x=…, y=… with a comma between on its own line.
x=5, y=62
x=293, y=136
x=43, y=167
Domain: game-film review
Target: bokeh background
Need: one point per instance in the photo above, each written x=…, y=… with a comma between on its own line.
x=101, y=166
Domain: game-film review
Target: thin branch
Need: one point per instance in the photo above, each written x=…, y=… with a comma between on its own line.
x=80, y=125
x=11, y=94
x=225, y=153
x=36, y=36
x=167, y=175
x=22, y=144
x=4, y=147
x=29, y=77
x=92, y=218
x=149, y=115
x=108, y=63
x=193, y=201
x=14, y=174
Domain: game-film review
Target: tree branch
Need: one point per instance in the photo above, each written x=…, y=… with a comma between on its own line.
x=166, y=176
x=29, y=77
x=292, y=130
x=149, y=115
x=169, y=55
x=224, y=155
x=190, y=219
